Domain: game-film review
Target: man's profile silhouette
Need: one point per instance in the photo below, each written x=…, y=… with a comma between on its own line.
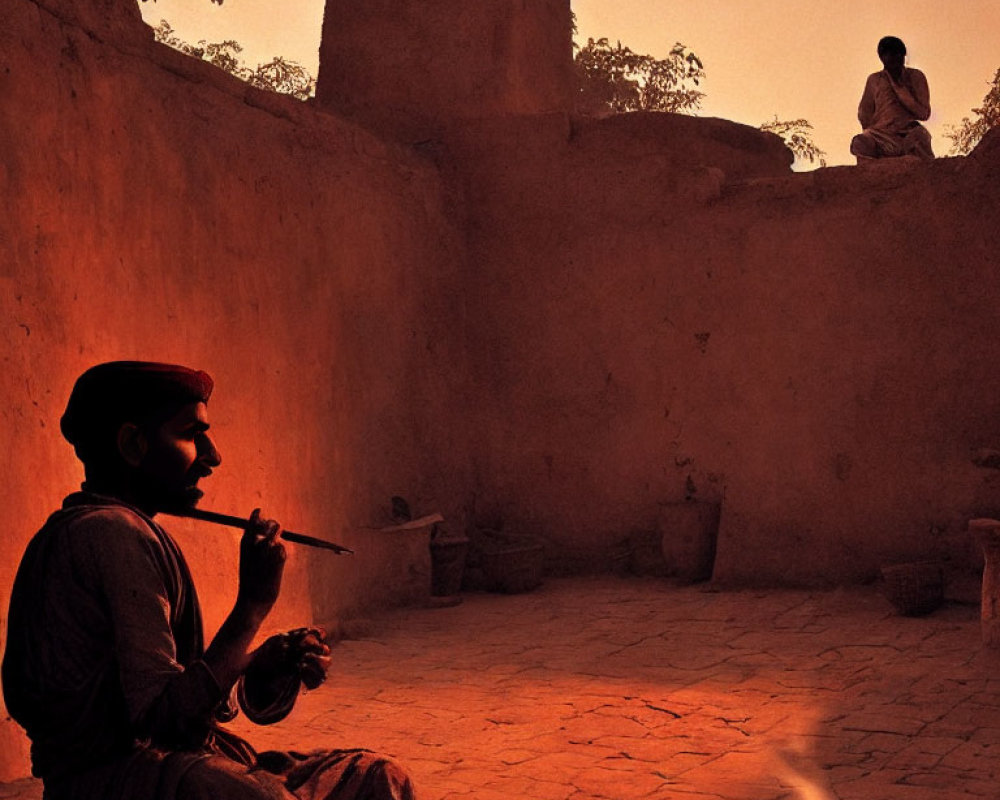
x=106, y=665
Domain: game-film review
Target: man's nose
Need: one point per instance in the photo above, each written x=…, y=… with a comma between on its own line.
x=208, y=453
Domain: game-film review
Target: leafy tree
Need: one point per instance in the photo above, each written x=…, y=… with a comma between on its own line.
x=967, y=135
x=285, y=77
x=225, y=55
x=613, y=77
x=278, y=75
x=797, y=138
x=164, y=33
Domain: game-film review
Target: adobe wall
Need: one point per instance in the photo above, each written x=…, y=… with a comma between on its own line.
x=654, y=321
x=558, y=323
x=406, y=66
x=154, y=208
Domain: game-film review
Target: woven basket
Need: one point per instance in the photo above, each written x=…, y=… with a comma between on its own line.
x=914, y=589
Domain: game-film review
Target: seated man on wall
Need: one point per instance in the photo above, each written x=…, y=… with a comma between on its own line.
x=105, y=665
x=895, y=101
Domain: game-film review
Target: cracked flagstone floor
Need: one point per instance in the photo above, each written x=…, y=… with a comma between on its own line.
x=594, y=688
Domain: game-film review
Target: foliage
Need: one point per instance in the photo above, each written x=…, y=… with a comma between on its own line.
x=616, y=79
x=285, y=77
x=966, y=135
x=798, y=139
x=613, y=77
x=224, y=55
x=278, y=75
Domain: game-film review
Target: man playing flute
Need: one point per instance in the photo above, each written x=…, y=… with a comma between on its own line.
x=105, y=665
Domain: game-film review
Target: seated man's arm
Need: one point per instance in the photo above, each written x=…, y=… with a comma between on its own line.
x=167, y=702
x=270, y=684
x=914, y=93
x=866, y=108
x=262, y=562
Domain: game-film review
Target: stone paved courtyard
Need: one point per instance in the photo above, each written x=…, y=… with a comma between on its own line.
x=617, y=688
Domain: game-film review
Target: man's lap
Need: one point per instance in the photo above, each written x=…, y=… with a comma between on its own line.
x=874, y=143
x=323, y=775
x=220, y=778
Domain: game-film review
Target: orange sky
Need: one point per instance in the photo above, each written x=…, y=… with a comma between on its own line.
x=793, y=58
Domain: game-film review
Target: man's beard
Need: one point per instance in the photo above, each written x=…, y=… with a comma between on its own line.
x=177, y=498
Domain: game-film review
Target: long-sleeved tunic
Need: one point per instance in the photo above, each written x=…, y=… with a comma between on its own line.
x=103, y=669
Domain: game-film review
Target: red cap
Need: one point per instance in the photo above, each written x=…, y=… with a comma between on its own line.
x=107, y=395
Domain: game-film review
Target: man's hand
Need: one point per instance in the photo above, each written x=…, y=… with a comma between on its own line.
x=313, y=655
x=262, y=562
x=300, y=652
x=910, y=88
x=897, y=73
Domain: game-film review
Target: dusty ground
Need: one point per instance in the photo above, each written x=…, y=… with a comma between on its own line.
x=621, y=689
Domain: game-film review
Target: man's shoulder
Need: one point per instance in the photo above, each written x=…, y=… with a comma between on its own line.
x=82, y=537
x=874, y=82
x=113, y=539
x=103, y=520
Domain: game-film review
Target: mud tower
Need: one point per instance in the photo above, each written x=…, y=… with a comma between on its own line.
x=409, y=67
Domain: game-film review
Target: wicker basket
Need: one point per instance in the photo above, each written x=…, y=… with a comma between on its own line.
x=914, y=589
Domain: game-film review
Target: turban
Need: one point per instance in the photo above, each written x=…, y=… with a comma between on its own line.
x=107, y=395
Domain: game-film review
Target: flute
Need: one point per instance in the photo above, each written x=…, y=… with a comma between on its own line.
x=238, y=522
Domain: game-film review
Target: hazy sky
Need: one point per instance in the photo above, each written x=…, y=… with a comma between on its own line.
x=793, y=58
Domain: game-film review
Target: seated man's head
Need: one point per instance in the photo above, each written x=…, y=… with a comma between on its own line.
x=892, y=54
x=141, y=431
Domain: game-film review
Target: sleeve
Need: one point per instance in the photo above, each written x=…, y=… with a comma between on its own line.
x=166, y=703
x=866, y=108
x=269, y=686
x=265, y=699
x=921, y=95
